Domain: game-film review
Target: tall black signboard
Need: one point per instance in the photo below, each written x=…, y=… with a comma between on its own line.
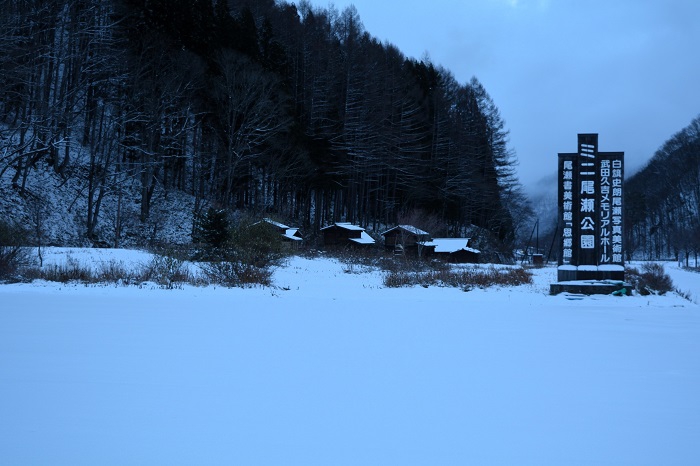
x=590, y=213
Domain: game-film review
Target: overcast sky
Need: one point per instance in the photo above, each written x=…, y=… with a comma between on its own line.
x=628, y=70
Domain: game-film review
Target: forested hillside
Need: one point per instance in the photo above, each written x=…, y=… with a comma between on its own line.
x=663, y=200
x=254, y=106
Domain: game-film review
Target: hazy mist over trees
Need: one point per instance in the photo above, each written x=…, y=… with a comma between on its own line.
x=269, y=107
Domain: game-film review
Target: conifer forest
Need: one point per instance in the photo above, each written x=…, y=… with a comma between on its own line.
x=260, y=106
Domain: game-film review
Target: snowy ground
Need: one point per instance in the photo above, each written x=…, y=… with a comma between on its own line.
x=330, y=368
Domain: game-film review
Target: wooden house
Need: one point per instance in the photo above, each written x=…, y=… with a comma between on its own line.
x=344, y=234
x=405, y=238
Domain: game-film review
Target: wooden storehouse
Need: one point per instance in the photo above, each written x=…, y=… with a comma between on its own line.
x=405, y=239
x=289, y=234
x=344, y=234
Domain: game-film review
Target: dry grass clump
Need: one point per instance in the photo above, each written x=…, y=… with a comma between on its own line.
x=71, y=271
x=166, y=271
x=465, y=279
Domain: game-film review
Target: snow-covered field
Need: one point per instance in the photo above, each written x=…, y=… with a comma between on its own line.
x=330, y=368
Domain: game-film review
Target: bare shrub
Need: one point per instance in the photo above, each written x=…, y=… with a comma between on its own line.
x=14, y=255
x=221, y=273
x=249, y=274
x=247, y=257
x=398, y=279
x=236, y=273
x=653, y=279
x=167, y=271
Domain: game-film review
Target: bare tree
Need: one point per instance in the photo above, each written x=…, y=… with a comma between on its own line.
x=250, y=112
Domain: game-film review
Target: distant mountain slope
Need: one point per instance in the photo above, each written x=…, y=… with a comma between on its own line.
x=663, y=200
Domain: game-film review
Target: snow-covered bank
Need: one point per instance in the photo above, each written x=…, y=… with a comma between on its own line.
x=329, y=367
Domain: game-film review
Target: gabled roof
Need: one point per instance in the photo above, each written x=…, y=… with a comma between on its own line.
x=279, y=225
x=409, y=228
x=290, y=234
x=363, y=239
x=450, y=245
x=344, y=225
x=287, y=232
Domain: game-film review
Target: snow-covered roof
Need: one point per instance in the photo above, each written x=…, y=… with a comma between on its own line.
x=290, y=232
x=408, y=228
x=450, y=245
x=277, y=224
x=345, y=225
x=363, y=239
